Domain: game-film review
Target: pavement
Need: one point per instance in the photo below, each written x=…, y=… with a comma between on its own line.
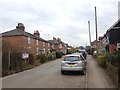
x=96, y=76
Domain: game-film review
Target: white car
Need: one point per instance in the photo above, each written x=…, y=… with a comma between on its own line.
x=73, y=63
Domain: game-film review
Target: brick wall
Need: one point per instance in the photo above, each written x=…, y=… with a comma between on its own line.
x=15, y=41
x=112, y=48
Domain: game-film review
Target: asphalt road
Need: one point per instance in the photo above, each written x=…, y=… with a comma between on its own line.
x=45, y=76
x=49, y=75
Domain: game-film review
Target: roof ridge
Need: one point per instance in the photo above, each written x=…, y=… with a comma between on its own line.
x=113, y=25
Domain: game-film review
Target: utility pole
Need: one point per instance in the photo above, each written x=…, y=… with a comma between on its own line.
x=89, y=32
x=96, y=30
x=89, y=36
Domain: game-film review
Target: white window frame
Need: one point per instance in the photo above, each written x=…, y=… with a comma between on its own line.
x=29, y=40
x=36, y=42
x=37, y=50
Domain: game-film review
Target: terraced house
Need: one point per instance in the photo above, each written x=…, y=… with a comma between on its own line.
x=58, y=46
x=25, y=42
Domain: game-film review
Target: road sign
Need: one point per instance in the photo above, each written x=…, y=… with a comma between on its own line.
x=25, y=55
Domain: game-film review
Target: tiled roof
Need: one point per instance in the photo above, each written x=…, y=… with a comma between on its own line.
x=53, y=41
x=17, y=32
x=12, y=33
x=115, y=25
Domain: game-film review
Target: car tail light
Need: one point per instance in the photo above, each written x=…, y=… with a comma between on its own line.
x=79, y=58
x=64, y=58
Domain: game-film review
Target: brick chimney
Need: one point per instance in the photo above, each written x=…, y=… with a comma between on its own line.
x=58, y=39
x=36, y=33
x=20, y=26
x=54, y=38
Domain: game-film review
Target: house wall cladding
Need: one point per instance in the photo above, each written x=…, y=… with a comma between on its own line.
x=114, y=35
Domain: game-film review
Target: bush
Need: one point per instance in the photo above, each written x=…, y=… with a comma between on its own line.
x=51, y=56
x=5, y=65
x=15, y=60
x=31, y=59
x=42, y=58
x=101, y=61
x=113, y=59
x=59, y=54
x=72, y=50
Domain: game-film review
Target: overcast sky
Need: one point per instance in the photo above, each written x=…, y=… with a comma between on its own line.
x=66, y=19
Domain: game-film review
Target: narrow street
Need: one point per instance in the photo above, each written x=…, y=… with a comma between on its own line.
x=45, y=76
x=49, y=76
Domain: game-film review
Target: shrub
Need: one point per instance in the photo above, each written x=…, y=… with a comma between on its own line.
x=5, y=65
x=31, y=59
x=101, y=61
x=113, y=59
x=42, y=58
x=59, y=54
x=72, y=50
x=53, y=55
x=49, y=56
x=15, y=60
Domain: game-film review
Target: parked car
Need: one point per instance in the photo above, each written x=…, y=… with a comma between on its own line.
x=73, y=63
x=81, y=55
x=84, y=53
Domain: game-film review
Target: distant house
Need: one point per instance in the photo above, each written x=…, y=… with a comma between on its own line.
x=93, y=45
x=58, y=46
x=113, y=36
x=102, y=44
x=23, y=41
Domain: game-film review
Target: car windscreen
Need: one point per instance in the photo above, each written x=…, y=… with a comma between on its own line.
x=71, y=58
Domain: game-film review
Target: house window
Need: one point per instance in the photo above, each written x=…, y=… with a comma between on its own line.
x=44, y=50
x=43, y=44
x=48, y=45
x=37, y=51
x=37, y=42
x=29, y=41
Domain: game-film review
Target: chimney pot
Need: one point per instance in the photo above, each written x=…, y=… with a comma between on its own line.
x=20, y=26
x=36, y=33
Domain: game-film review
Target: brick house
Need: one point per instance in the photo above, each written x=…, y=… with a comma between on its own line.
x=102, y=44
x=25, y=42
x=58, y=46
x=93, y=45
x=113, y=36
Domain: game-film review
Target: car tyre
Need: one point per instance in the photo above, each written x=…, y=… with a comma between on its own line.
x=83, y=72
x=62, y=72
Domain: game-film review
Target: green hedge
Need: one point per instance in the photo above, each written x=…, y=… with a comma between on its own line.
x=51, y=56
x=31, y=59
x=72, y=50
x=101, y=61
x=42, y=58
x=59, y=54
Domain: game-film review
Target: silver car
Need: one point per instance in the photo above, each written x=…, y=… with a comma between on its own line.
x=82, y=56
x=73, y=63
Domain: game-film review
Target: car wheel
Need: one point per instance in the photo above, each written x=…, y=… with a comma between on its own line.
x=62, y=72
x=83, y=72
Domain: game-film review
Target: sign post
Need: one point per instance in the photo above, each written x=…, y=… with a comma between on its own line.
x=25, y=56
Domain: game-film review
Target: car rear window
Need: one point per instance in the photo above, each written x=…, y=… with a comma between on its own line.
x=71, y=58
